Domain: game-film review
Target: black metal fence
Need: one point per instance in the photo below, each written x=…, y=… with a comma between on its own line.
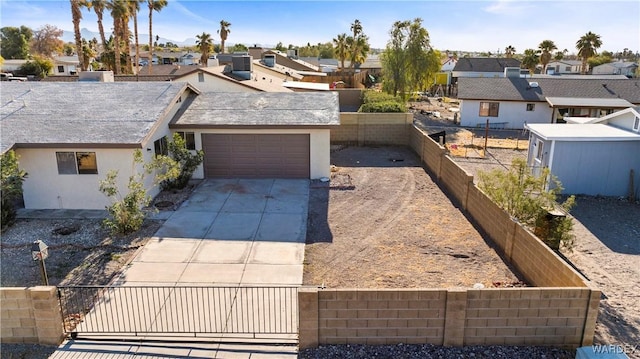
x=179, y=310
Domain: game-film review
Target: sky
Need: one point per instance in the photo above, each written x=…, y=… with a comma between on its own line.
x=479, y=25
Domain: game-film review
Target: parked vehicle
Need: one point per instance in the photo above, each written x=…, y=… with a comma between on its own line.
x=9, y=77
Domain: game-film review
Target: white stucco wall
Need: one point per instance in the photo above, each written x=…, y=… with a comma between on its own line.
x=624, y=121
x=319, y=151
x=214, y=84
x=44, y=188
x=513, y=113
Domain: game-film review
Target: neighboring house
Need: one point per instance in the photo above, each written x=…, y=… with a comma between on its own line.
x=625, y=68
x=564, y=67
x=66, y=65
x=223, y=79
x=627, y=119
x=261, y=135
x=590, y=159
x=272, y=58
x=10, y=65
x=512, y=102
x=483, y=67
x=69, y=135
x=449, y=64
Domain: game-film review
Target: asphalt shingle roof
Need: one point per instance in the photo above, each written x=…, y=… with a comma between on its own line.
x=485, y=64
x=519, y=89
x=261, y=109
x=49, y=113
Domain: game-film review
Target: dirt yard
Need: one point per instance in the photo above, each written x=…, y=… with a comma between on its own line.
x=382, y=222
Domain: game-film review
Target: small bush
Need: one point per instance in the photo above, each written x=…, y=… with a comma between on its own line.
x=374, y=101
x=384, y=106
x=187, y=161
x=11, y=186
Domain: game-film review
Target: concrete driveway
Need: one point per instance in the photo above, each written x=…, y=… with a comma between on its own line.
x=229, y=232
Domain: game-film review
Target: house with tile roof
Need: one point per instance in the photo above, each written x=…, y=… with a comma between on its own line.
x=512, y=102
x=68, y=136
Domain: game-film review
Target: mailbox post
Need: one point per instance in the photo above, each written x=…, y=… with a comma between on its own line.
x=40, y=252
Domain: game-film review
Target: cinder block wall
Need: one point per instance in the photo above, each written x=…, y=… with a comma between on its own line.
x=561, y=311
x=454, y=317
x=30, y=315
x=364, y=129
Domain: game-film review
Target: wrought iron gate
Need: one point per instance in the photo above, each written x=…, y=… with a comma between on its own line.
x=198, y=311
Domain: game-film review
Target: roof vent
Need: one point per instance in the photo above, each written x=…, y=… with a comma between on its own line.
x=533, y=84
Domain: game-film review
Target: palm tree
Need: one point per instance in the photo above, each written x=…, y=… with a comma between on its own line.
x=546, y=46
x=509, y=51
x=530, y=60
x=134, y=8
x=358, y=49
x=119, y=10
x=587, y=47
x=341, y=49
x=98, y=7
x=224, y=32
x=154, y=5
x=76, y=14
x=356, y=27
x=204, y=44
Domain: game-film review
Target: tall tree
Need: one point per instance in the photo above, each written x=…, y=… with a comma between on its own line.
x=224, y=33
x=509, y=51
x=530, y=60
x=154, y=5
x=46, y=41
x=419, y=56
x=119, y=10
x=340, y=49
x=14, y=42
x=76, y=16
x=134, y=8
x=546, y=46
x=587, y=47
x=358, y=45
x=393, y=59
x=98, y=7
x=204, y=43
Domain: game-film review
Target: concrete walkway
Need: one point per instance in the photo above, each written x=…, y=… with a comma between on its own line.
x=228, y=233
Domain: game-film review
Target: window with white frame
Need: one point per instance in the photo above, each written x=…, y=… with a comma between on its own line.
x=77, y=163
x=539, y=149
x=636, y=124
x=531, y=106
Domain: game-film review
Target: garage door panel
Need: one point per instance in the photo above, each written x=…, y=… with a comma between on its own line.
x=256, y=156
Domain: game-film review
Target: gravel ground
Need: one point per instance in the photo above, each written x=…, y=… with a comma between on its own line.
x=431, y=351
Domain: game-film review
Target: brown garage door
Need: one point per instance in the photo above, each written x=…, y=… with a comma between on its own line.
x=256, y=156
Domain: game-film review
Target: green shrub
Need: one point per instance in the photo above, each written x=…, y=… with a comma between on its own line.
x=384, y=106
x=374, y=101
x=187, y=161
x=11, y=186
x=528, y=199
x=126, y=213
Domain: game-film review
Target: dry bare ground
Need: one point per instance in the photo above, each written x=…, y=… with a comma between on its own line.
x=383, y=223
x=81, y=251
x=607, y=253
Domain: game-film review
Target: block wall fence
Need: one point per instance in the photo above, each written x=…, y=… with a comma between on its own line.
x=371, y=129
x=560, y=309
x=30, y=316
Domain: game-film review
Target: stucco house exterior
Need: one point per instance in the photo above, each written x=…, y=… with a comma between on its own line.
x=261, y=135
x=512, y=102
x=69, y=135
x=219, y=79
x=590, y=159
